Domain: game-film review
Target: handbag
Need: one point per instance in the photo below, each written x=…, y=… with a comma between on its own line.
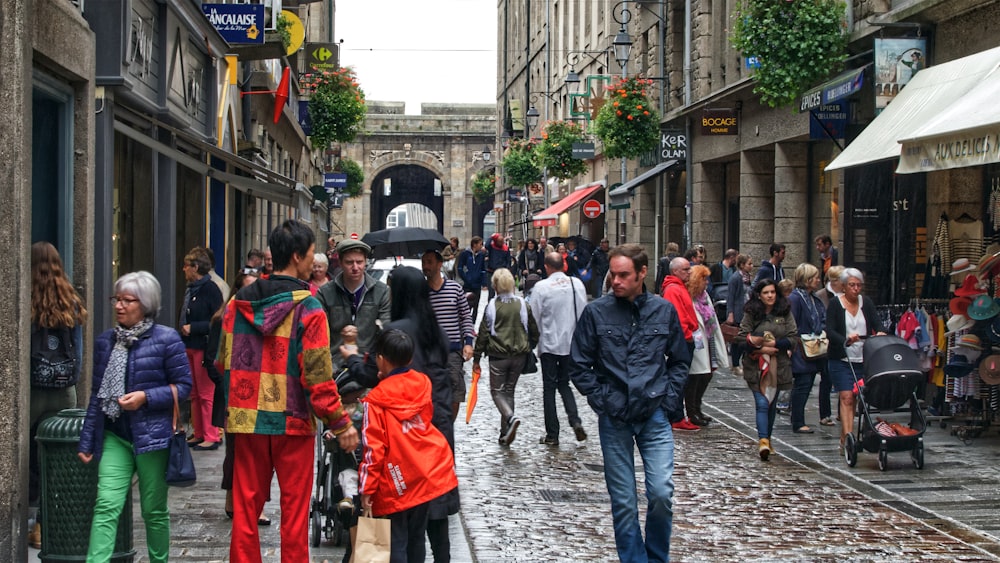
x=814, y=346
x=729, y=332
x=180, y=464
x=530, y=363
x=373, y=539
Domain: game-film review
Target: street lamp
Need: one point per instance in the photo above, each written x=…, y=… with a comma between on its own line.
x=623, y=47
x=573, y=78
x=486, y=154
x=532, y=116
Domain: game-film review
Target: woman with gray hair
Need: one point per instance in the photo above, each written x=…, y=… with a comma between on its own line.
x=321, y=266
x=850, y=318
x=138, y=367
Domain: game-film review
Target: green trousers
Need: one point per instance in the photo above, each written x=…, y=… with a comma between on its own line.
x=118, y=464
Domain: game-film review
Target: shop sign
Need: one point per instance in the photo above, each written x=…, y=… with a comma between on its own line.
x=322, y=56
x=333, y=181
x=583, y=151
x=237, y=23
x=839, y=88
x=828, y=121
x=673, y=146
x=896, y=62
x=956, y=151
x=720, y=121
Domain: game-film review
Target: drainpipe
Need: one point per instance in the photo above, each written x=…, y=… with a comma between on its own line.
x=688, y=186
x=664, y=92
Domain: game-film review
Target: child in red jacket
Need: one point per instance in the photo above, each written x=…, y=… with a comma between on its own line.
x=407, y=462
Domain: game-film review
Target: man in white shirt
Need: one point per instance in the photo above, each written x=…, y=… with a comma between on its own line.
x=557, y=302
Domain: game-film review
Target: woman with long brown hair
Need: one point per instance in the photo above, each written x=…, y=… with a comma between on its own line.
x=57, y=317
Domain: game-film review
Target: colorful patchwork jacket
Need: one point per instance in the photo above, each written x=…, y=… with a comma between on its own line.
x=275, y=356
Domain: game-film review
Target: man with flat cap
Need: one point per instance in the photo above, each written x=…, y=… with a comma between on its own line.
x=356, y=304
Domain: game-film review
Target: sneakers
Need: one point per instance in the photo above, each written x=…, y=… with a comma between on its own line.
x=581, y=435
x=35, y=536
x=686, y=425
x=545, y=440
x=764, y=449
x=738, y=371
x=511, y=432
x=827, y=421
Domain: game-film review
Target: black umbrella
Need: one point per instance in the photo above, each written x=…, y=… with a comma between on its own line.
x=403, y=241
x=582, y=244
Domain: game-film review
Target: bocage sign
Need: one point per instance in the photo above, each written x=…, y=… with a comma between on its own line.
x=237, y=23
x=720, y=121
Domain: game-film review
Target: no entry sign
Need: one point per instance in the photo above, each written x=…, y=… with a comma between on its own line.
x=592, y=209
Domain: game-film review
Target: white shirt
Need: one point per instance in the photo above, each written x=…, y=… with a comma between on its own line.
x=856, y=324
x=552, y=307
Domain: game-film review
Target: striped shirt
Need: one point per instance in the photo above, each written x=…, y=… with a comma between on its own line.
x=453, y=313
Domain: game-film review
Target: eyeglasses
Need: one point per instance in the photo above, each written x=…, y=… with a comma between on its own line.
x=126, y=301
x=855, y=285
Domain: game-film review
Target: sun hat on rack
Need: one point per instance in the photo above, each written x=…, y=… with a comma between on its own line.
x=958, y=323
x=983, y=307
x=989, y=264
x=989, y=369
x=958, y=366
x=959, y=305
x=970, y=341
x=961, y=266
x=969, y=287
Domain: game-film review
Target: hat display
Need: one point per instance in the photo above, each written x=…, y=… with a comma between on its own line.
x=958, y=366
x=961, y=266
x=983, y=307
x=348, y=245
x=958, y=323
x=970, y=341
x=959, y=305
x=989, y=265
x=969, y=287
x=989, y=369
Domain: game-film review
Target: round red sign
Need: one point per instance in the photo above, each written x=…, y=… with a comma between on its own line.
x=354, y=236
x=592, y=209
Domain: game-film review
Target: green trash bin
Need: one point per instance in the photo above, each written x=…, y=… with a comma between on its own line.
x=69, y=490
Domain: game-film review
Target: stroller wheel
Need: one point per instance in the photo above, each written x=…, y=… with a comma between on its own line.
x=883, y=459
x=316, y=518
x=850, y=451
x=918, y=456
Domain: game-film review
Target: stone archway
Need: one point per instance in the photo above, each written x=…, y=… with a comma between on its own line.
x=405, y=183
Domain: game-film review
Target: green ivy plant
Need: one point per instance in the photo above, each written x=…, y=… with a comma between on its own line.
x=555, y=152
x=627, y=124
x=355, y=176
x=520, y=167
x=484, y=184
x=336, y=106
x=797, y=42
x=284, y=29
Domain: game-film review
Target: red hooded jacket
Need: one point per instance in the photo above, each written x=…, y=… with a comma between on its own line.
x=407, y=461
x=677, y=294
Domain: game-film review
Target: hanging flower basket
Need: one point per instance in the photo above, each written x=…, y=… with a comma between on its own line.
x=797, y=43
x=336, y=106
x=555, y=152
x=484, y=184
x=627, y=123
x=520, y=167
x=355, y=176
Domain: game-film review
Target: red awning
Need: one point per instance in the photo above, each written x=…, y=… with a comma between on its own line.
x=548, y=217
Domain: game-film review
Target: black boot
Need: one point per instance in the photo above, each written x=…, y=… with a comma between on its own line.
x=691, y=401
x=703, y=381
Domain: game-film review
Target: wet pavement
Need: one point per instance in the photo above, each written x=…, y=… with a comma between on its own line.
x=531, y=502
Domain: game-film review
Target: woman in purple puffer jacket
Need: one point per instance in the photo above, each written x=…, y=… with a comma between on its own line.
x=130, y=416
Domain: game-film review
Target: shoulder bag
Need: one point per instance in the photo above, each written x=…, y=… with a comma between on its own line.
x=180, y=464
x=814, y=346
x=729, y=332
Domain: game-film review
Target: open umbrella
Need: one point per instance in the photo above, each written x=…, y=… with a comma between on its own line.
x=470, y=403
x=403, y=241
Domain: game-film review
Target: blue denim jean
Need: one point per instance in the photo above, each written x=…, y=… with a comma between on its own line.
x=655, y=441
x=800, y=396
x=555, y=377
x=766, y=413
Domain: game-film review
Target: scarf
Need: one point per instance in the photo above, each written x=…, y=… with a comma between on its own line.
x=113, y=385
x=703, y=304
x=746, y=277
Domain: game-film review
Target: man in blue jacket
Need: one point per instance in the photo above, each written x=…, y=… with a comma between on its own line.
x=470, y=268
x=630, y=359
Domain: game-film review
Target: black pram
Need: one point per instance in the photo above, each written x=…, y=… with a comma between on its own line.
x=892, y=377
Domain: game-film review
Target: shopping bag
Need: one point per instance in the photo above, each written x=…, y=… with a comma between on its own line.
x=372, y=543
x=180, y=464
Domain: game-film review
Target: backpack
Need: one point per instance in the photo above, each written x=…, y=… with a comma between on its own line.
x=53, y=359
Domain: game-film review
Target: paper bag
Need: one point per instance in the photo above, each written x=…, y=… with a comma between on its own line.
x=372, y=543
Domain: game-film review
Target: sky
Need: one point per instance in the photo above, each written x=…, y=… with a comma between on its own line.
x=420, y=52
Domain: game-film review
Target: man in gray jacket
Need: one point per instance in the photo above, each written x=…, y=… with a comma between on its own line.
x=557, y=302
x=356, y=304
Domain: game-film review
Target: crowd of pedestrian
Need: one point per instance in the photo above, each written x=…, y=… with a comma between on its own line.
x=258, y=361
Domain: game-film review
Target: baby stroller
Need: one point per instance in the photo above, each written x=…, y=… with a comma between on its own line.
x=892, y=377
x=329, y=518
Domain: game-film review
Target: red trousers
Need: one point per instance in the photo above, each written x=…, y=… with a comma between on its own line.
x=202, y=398
x=256, y=457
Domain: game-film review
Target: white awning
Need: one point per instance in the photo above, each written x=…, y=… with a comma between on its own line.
x=927, y=94
x=967, y=133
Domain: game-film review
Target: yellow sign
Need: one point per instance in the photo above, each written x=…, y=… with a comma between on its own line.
x=297, y=30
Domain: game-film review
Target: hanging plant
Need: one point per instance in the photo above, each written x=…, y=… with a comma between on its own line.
x=355, y=176
x=484, y=184
x=520, y=167
x=284, y=29
x=627, y=123
x=555, y=152
x=797, y=43
x=336, y=106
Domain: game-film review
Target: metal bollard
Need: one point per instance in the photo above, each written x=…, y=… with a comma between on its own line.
x=69, y=490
